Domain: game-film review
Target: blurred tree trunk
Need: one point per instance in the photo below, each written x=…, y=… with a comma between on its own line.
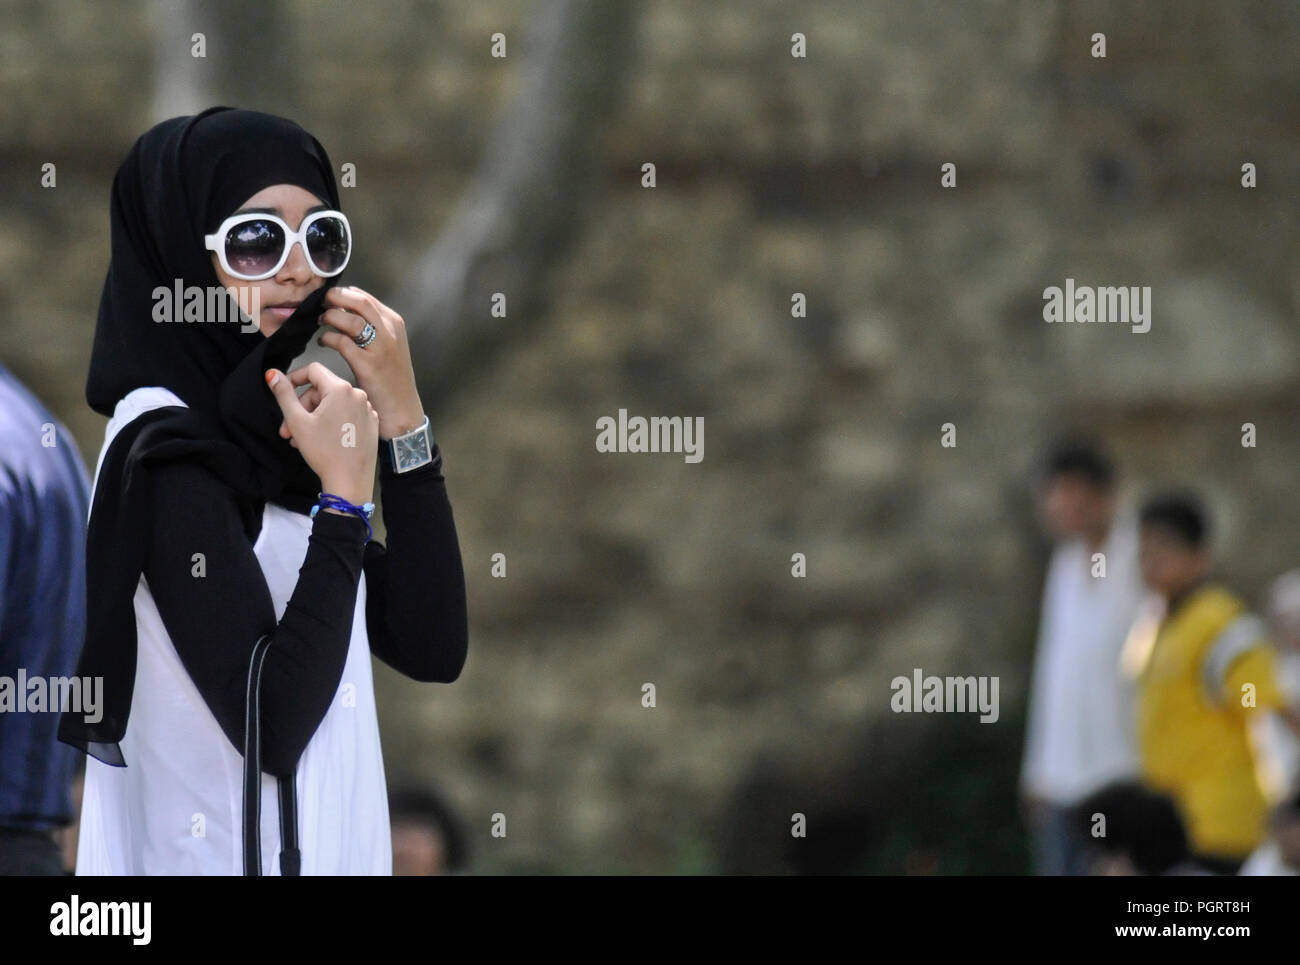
x=249, y=62
x=179, y=83
x=519, y=212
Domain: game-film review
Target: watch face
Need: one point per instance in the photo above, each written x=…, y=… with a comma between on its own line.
x=412, y=451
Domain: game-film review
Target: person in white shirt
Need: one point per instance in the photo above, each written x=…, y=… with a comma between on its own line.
x=1276, y=742
x=1080, y=734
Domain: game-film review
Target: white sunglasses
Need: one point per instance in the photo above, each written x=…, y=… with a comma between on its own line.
x=253, y=246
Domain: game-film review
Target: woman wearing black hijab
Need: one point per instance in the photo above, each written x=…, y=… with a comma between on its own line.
x=231, y=515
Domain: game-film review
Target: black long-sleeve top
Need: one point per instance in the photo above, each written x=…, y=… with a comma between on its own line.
x=415, y=607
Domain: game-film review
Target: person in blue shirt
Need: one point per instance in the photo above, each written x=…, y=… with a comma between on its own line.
x=44, y=503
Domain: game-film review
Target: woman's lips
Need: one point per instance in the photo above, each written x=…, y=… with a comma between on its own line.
x=282, y=311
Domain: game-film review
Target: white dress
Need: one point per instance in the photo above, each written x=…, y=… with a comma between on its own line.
x=177, y=807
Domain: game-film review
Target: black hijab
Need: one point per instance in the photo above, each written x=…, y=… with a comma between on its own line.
x=180, y=180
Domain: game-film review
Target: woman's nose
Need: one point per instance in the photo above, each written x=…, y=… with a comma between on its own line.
x=296, y=269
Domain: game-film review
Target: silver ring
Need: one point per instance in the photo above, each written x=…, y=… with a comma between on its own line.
x=366, y=337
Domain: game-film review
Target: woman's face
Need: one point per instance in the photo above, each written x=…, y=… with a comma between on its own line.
x=280, y=294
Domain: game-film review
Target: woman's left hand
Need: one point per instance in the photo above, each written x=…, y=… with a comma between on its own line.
x=383, y=368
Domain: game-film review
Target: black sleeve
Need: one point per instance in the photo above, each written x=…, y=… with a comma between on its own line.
x=415, y=586
x=215, y=619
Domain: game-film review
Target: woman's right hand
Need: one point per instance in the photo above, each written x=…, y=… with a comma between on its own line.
x=316, y=424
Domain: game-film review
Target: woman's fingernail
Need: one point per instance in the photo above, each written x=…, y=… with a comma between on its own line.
x=272, y=377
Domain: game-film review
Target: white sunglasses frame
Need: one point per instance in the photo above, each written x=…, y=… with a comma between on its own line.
x=216, y=241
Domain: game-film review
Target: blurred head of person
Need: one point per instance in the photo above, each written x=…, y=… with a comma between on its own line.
x=1132, y=830
x=1284, y=610
x=427, y=839
x=1077, y=496
x=1173, y=552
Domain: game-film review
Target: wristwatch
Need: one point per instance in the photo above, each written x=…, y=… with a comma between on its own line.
x=409, y=451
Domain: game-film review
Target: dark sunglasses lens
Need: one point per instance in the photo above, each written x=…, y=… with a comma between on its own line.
x=254, y=247
x=328, y=241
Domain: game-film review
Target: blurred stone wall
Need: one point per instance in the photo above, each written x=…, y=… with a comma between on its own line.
x=775, y=175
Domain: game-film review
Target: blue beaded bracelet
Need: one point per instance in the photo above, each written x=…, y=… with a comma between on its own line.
x=330, y=501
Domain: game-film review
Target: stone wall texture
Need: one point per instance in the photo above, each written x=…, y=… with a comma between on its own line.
x=775, y=175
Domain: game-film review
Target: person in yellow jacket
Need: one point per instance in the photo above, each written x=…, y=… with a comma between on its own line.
x=1206, y=669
